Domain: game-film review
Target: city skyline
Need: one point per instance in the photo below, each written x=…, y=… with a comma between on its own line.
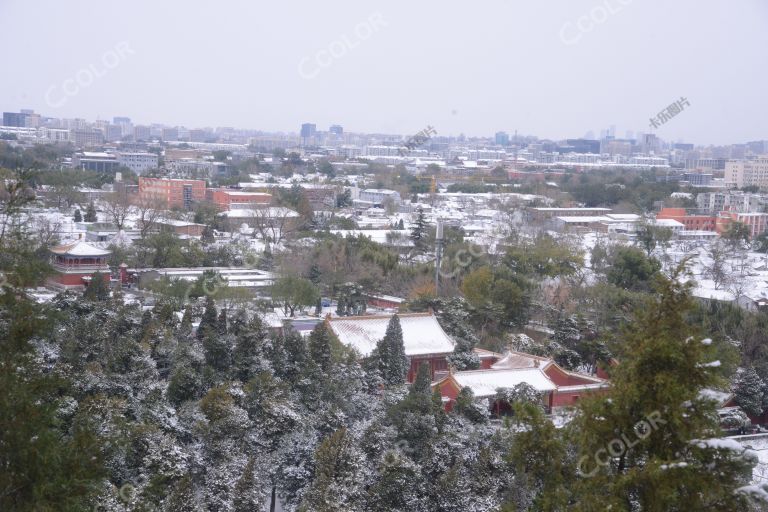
x=399, y=68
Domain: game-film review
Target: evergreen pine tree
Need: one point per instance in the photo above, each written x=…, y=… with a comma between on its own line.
x=45, y=465
x=748, y=390
x=537, y=455
x=78, y=216
x=397, y=487
x=647, y=447
x=247, y=496
x=221, y=324
x=336, y=481
x=185, y=327
x=97, y=289
x=208, y=321
x=393, y=363
x=320, y=346
x=90, y=213
x=296, y=355
x=341, y=307
x=466, y=406
x=182, y=498
x=419, y=231
x=206, y=237
x=248, y=356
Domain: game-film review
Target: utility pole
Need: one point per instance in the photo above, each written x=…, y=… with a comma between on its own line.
x=438, y=254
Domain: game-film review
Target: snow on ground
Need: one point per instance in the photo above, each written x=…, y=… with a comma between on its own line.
x=759, y=444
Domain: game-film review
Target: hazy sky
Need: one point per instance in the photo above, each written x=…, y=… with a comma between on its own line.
x=551, y=68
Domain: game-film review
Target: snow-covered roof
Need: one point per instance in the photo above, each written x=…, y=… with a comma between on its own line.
x=484, y=383
x=668, y=223
x=517, y=360
x=575, y=219
x=422, y=333
x=79, y=248
x=270, y=212
x=624, y=217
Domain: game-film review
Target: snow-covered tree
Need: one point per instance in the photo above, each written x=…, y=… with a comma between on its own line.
x=336, y=482
x=320, y=340
x=671, y=459
x=390, y=354
x=749, y=390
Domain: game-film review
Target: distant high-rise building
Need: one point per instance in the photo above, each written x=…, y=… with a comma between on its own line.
x=336, y=129
x=121, y=120
x=308, y=131
x=142, y=133
x=113, y=132
x=502, y=139
x=741, y=173
x=87, y=137
x=583, y=145
x=759, y=147
x=198, y=135
x=17, y=119
x=170, y=134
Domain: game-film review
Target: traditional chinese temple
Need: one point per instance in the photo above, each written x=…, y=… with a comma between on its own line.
x=75, y=263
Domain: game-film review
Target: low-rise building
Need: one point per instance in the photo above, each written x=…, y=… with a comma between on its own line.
x=138, y=162
x=558, y=387
x=228, y=199
x=75, y=263
x=172, y=192
x=423, y=338
x=691, y=221
x=93, y=161
x=757, y=223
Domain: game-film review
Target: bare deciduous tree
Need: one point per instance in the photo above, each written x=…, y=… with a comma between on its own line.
x=117, y=208
x=274, y=223
x=150, y=211
x=716, y=270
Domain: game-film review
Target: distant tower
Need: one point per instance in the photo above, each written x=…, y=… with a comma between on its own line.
x=336, y=129
x=308, y=131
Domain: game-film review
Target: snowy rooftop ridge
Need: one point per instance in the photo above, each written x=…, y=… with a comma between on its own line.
x=79, y=248
x=422, y=333
x=484, y=383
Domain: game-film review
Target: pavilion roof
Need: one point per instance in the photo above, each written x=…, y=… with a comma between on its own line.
x=79, y=248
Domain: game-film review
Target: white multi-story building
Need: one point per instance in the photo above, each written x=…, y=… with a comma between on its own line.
x=735, y=202
x=378, y=196
x=743, y=173
x=138, y=162
x=385, y=150
x=53, y=134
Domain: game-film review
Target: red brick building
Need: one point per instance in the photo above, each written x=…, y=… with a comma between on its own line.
x=172, y=192
x=423, y=338
x=691, y=222
x=559, y=387
x=75, y=263
x=228, y=199
x=757, y=223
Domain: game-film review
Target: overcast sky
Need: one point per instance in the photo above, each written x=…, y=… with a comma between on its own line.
x=555, y=69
